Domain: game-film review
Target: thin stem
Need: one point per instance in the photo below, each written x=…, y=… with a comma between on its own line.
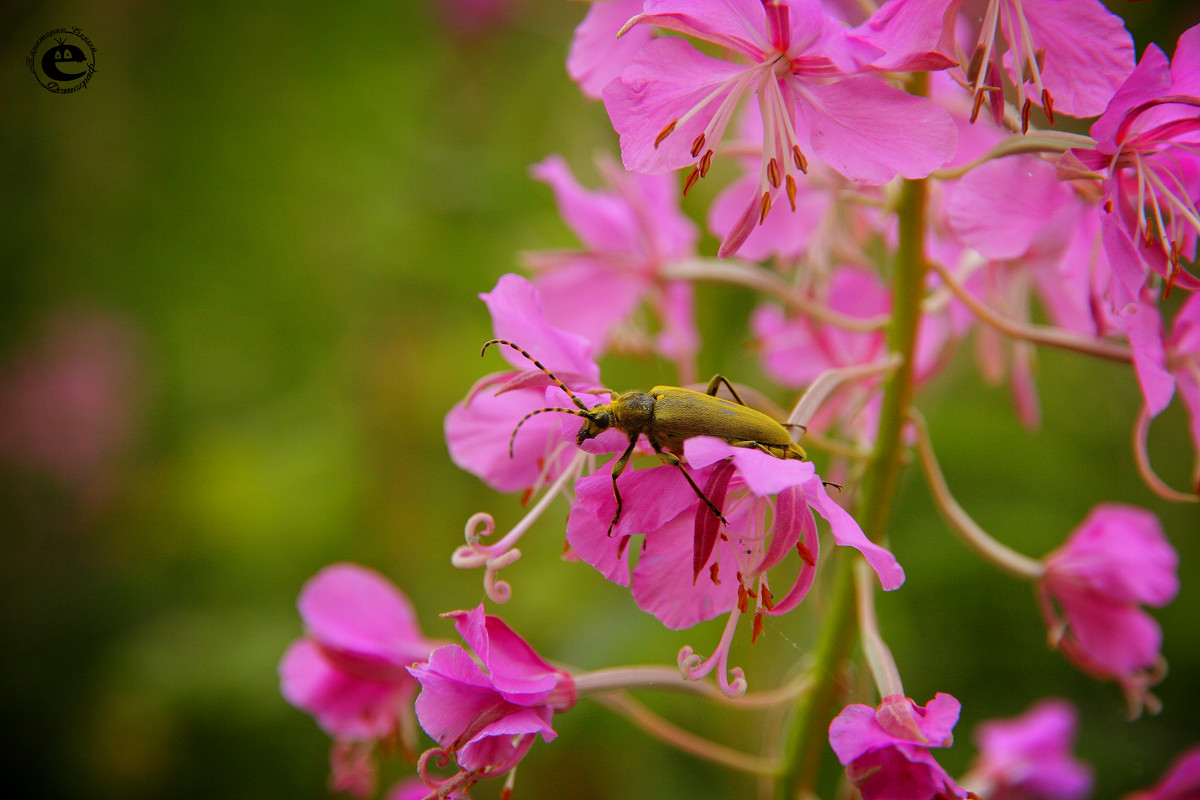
x=1038, y=334
x=878, y=655
x=685, y=740
x=976, y=537
x=1041, y=142
x=616, y=679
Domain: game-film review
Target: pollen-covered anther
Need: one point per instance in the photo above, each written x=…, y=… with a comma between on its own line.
x=692, y=177
x=706, y=163
x=1048, y=105
x=768, y=601
x=713, y=573
x=664, y=133
x=773, y=172
x=697, y=145
x=743, y=602
x=757, y=629
x=805, y=554
x=791, y=191
x=1026, y=109
x=764, y=207
x=798, y=157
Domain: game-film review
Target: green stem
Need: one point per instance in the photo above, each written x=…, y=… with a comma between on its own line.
x=808, y=743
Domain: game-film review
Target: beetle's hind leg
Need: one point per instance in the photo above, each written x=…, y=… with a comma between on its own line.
x=715, y=384
x=671, y=458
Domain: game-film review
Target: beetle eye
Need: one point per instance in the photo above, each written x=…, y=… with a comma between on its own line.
x=601, y=420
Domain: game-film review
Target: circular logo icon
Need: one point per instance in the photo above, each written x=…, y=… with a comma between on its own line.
x=63, y=60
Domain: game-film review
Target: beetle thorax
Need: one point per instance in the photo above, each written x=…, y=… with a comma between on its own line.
x=632, y=411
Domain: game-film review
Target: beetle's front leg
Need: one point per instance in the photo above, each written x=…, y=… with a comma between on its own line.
x=618, y=468
x=671, y=458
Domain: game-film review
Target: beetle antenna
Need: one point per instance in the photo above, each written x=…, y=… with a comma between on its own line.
x=578, y=403
x=513, y=438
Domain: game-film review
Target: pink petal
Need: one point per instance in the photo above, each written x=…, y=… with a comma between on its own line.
x=664, y=82
x=355, y=609
x=597, y=56
x=517, y=315
x=914, y=35
x=738, y=24
x=573, y=304
x=869, y=132
x=494, y=749
x=847, y=533
x=515, y=669
x=1143, y=327
x=343, y=706
x=663, y=583
x=603, y=221
x=1115, y=640
x=764, y=474
x=1089, y=53
x=1150, y=78
x=999, y=207
x=784, y=232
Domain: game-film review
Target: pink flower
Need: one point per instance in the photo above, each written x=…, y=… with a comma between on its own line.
x=1146, y=147
x=1116, y=560
x=487, y=705
x=479, y=428
x=1182, y=781
x=886, y=750
x=672, y=105
x=1029, y=757
x=349, y=671
x=690, y=568
x=630, y=231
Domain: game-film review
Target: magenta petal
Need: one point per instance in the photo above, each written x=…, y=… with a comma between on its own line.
x=999, y=207
x=517, y=315
x=499, y=746
x=352, y=608
x=1143, y=326
x=737, y=24
x=1089, y=53
x=847, y=533
x=515, y=669
x=663, y=584
x=597, y=56
x=914, y=35
x=603, y=221
x=344, y=706
x=1121, y=553
x=869, y=132
x=1030, y=755
x=666, y=80
x=1116, y=640
x=1150, y=78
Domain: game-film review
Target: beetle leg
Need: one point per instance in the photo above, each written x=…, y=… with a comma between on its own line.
x=715, y=384
x=671, y=458
x=618, y=468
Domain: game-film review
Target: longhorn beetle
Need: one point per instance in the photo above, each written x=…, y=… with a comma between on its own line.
x=666, y=416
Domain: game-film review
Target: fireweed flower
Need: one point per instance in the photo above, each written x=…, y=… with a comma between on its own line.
x=672, y=105
x=630, y=230
x=1094, y=584
x=486, y=704
x=1029, y=757
x=886, y=750
x=1182, y=781
x=349, y=671
x=691, y=568
x=1146, y=153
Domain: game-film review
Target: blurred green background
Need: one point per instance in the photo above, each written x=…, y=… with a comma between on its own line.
x=238, y=287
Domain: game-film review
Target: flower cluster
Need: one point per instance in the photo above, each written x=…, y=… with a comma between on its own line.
x=881, y=222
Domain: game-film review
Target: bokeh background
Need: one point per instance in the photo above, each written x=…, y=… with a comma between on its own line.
x=237, y=296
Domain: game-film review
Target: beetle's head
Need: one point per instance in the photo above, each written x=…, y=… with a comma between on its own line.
x=595, y=422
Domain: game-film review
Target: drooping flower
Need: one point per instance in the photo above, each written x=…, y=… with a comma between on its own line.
x=479, y=428
x=886, y=750
x=1092, y=591
x=630, y=231
x=672, y=105
x=690, y=570
x=1029, y=757
x=349, y=670
x=486, y=703
x=1181, y=781
x=1146, y=152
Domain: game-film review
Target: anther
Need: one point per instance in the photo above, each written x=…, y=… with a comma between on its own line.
x=978, y=104
x=664, y=133
x=757, y=628
x=706, y=163
x=1048, y=105
x=713, y=572
x=1026, y=108
x=805, y=554
x=697, y=145
x=975, y=65
x=691, y=180
x=767, y=600
x=764, y=207
x=773, y=172
x=798, y=157
x=791, y=191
